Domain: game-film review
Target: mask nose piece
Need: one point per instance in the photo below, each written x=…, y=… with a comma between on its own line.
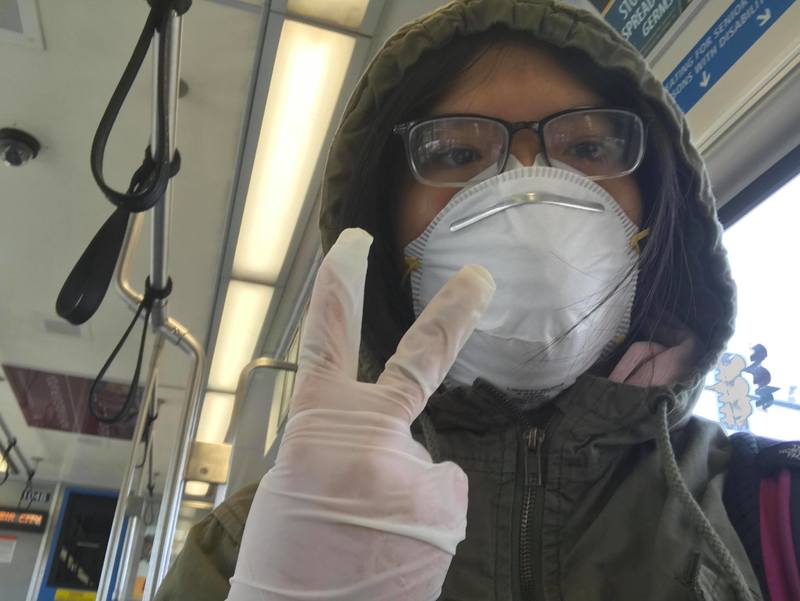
x=514, y=163
x=540, y=161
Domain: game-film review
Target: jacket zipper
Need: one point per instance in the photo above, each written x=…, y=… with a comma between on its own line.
x=531, y=515
x=528, y=564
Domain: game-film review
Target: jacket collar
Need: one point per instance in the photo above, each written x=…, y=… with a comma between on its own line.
x=593, y=406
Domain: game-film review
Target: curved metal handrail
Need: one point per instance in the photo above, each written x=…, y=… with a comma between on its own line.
x=244, y=380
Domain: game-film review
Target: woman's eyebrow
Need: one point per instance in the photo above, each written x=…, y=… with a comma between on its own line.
x=436, y=114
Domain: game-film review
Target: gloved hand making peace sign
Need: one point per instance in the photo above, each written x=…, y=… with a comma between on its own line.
x=354, y=509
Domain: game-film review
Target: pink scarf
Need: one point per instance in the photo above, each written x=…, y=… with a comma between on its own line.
x=653, y=364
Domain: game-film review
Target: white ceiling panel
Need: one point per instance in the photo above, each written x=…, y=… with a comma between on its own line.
x=51, y=207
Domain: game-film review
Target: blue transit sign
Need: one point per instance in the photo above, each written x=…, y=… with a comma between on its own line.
x=641, y=22
x=744, y=22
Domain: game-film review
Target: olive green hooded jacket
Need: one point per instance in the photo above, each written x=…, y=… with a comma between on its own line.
x=610, y=492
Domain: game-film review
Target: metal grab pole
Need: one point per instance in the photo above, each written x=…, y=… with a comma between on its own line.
x=132, y=545
x=127, y=560
x=173, y=489
x=162, y=211
x=103, y=587
x=171, y=330
x=178, y=335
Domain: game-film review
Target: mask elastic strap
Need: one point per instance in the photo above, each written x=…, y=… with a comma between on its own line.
x=636, y=238
x=412, y=263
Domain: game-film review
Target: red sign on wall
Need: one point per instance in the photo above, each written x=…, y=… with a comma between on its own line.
x=61, y=402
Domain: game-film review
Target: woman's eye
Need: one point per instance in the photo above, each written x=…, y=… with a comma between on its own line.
x=597, y=149
x=587, y=150
x=457, y=157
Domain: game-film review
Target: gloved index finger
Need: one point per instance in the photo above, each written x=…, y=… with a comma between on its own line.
x=332, y=332
x=430, y=346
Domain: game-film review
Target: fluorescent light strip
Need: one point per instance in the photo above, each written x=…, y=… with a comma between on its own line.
x=307, y=79
x=215, y=417
x=344, y=13
x=243, y=315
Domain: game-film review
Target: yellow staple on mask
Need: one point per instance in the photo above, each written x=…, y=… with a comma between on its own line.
x=412, y=263
x=636, y=238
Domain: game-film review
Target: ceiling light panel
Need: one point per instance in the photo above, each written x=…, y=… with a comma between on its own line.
x=348, y=14
x=243, y=315
x=196, y=489
x=310, y=67
x=215, y=417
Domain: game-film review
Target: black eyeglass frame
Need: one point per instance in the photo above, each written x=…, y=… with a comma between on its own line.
x=404, y=131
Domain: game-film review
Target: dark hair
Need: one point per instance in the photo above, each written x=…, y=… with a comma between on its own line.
x=372, y=192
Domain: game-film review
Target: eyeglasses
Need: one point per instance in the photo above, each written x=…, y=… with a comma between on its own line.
x=456, y=150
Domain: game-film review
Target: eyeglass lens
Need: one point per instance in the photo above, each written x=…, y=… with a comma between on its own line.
x=453, y=150
x=596, y=143
x=600, y=143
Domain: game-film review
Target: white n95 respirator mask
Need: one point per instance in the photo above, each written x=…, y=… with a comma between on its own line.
x=559, y=249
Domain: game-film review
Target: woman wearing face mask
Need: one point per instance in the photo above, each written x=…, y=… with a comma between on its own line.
x=545, y=291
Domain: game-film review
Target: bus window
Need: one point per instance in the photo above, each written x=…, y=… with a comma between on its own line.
x=756, y=384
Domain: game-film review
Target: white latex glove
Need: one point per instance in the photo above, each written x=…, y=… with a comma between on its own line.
x=354, y=509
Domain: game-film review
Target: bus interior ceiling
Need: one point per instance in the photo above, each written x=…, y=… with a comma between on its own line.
x=52, y=207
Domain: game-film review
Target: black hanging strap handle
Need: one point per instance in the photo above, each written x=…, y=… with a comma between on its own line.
x=152, y=189
x=87, y=284
x=151, y=295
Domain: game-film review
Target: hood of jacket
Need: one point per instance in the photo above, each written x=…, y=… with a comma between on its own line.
x=706, y=269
